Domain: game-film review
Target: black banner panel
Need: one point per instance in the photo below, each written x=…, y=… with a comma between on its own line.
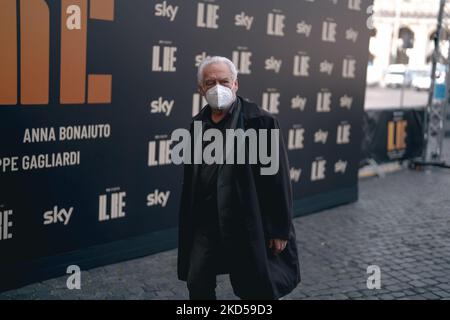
x=91, y=90
x=392, y=134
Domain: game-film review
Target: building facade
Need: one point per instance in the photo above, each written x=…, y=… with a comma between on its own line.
x=404, y=31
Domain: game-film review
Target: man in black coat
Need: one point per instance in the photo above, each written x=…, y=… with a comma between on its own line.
x=233, y=219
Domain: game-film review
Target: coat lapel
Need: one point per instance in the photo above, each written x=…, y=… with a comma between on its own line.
x=236, y=122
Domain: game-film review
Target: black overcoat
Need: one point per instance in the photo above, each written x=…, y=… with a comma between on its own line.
x=252, y=209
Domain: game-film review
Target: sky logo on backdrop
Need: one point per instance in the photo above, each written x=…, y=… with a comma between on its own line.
x=58, y=216
x=166, y=10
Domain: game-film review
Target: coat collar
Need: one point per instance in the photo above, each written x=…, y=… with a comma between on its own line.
x=249, y=110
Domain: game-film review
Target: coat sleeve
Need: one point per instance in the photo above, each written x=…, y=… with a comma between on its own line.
x=184, y=222
x=276, y=192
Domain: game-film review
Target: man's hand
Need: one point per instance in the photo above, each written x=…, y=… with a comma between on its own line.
x=277, y=245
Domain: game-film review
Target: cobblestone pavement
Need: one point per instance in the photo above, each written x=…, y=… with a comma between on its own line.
x=401, y=224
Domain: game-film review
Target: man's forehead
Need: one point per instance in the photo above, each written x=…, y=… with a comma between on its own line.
x=217, y=70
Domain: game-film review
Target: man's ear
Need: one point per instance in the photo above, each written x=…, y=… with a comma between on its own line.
x=236, y=85
x=200, y=90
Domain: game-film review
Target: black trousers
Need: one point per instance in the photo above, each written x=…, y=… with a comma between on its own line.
x=207, y=260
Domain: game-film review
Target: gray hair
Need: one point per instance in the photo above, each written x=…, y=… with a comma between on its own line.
x=214, y=60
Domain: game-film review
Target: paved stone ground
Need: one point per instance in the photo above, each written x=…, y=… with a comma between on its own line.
x=401, y=224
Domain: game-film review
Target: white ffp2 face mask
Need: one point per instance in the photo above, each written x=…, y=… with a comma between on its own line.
x=219, y=97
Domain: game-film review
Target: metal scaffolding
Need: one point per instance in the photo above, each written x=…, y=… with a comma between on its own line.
x=436, y=115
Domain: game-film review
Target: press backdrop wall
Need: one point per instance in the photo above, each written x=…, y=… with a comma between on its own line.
x=90, y=92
